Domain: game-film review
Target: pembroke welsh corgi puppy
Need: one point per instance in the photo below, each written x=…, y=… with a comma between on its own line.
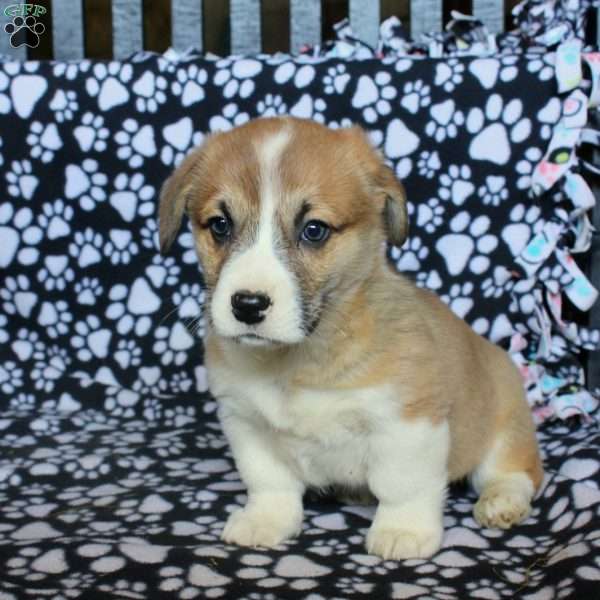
x=330, y=368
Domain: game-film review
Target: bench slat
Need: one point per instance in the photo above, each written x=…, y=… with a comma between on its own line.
x=305, y=23
x=67, y=29
x=425, y=16
x=490, y=13
x=127, y=29
x=186, y=24
x=364, y=20
x=245, y=26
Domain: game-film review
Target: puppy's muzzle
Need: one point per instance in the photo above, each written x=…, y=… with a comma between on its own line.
x=250, y=307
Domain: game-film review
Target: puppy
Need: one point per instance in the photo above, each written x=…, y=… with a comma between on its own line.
x=330, y=368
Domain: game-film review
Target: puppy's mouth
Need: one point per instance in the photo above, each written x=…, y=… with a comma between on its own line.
x=253, y=339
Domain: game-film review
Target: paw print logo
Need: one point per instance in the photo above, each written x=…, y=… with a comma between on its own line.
x=25, y=31
x=456, y=186
x=468, y=244
x=496, y=128
x=459, y=298
x=409, y=257
x=445, y=120
x=372, y=95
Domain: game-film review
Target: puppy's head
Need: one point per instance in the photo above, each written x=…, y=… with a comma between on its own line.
x=288, y=217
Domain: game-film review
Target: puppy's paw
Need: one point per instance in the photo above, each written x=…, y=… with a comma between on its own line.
x=252, y=527
x=501, y=506
x=402, y=543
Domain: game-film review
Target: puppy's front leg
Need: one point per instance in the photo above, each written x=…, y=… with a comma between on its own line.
x=408, y=475
x=273, y=511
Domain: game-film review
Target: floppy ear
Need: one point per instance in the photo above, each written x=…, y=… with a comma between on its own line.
x=173, y=200
x=395, y=216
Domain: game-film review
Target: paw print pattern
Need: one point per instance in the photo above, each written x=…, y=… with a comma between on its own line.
x=524, y=223
x=21, y=181
x=132, y=196
x=150, y=92
x=526, y=166
x=44, y=141
x=416, y=95
x=180, y=136
x=19, y=235
x=430, y=215
x=468, y=244
x=445, y=121
x=86, y=247
x=25, y=31
x=64, y=104
x=495, y=128
x=456, y=185
x=86, y=183
x=449, y=74
x=235, y=77
x=494, y=191
x=136, y=143
x=459, y=298
x=91, y=134
x=55, y=219
x=336, y=79
x=409, y=257
x=373, y=96
x=429, y=164
x=189, y=84
x=109, y=83
x=271, y=105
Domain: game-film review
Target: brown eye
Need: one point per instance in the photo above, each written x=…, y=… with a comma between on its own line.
x=220, y=227
x=315, y=232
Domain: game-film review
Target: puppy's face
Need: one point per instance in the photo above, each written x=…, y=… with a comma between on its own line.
x=288, y=217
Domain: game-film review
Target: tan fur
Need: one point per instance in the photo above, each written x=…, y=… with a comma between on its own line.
x=376, y=329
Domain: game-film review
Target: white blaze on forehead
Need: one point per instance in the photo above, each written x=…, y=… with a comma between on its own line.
x=260, y=267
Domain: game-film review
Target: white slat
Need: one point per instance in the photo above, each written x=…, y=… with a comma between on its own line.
x=186, y=24
x=245, y=26
x=127, y=29
x=490, y=13
x=67, y=29
x=425, y=16
x=6, y=49
x=364, y=20
x=305, y=23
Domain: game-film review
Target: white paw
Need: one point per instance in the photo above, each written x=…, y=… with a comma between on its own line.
x=501, y=507
x=401, y=543
x=252, y=527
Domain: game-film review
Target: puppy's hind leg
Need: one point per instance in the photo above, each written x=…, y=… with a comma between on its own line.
x=509, y=475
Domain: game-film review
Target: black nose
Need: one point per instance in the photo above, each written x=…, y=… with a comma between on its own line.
x=249, y=307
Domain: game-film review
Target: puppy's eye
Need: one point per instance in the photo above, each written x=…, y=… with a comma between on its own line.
x=220, y=227
x=315, y=232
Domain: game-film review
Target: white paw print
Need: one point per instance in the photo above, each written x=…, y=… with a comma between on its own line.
x=91, y=340
x=172, y=344
x=343, y=123
x=44, y=141
x=494, y=191
x=21, y=181
x=543, y=65
x=149, y=233
x=430, y=215
x=498, y=284
x=336, y=79
x=50, y=365
x=309, y=108
x=235, y=77
x=526, y=166
x=72, y=69
x=429, y=164
x=372, y=95
x=449, y=74
x=150, y=90
x=56, y=272
x=64, y=104
x=496, y=128
x=410, y=256
x=86, y=183
x=189, y=84
x=128, y=354
x=132, y=196
x=17, y=296
x=229, y=118
x=271, y=105
x=91, y=134
x=55, y=318
x=180, y=137
x=86, y=247
x=180, y=383
x=88, y=290
x=456, y=184
x=120, y=247
x=430, y=280
x=55, y=219
x=468, y=244
x=19, y=235
x=131, y=306
x=302, y=74
x=525, y=221
x=109, y=83
x=11, y=377
x=189, y=300
x=416, y=96
x=136, y=143
x=459, y=298
x=445, y=120
x=90, y=466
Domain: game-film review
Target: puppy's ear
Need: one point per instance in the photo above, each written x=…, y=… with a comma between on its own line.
x=174, y=196
x=395, y=216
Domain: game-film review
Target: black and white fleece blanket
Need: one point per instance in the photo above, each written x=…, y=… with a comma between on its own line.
x=115, y=478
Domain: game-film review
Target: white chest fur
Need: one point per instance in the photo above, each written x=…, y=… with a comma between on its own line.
x=323, y=434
